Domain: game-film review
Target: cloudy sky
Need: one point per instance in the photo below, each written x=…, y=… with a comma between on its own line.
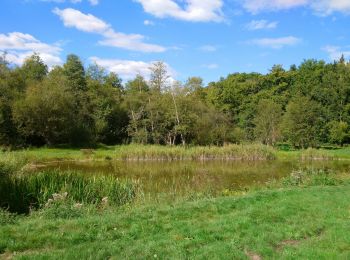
x=207, y=38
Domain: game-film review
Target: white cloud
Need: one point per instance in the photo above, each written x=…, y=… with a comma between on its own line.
x=193, y=10
x=92, y=24
x=208, y=48
x=82, y=22
x=256, y=6
x=128, y=69
x=327, y=7
x=261, y=25
x=92, y=2
x=335, y=52
x=211, y=66
x=321, y=7
x=19, y=46
x=276, y=43
x=148, y=23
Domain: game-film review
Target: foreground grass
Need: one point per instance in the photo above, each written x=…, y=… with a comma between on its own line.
x=307, y=223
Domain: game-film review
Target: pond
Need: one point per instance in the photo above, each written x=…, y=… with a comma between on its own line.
x=187, y=177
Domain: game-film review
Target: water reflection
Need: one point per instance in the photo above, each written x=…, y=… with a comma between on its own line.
x=192, y=176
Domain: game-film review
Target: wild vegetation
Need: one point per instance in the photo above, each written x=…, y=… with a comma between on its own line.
x=305, y=106
x=22, y=190
x=136, y=152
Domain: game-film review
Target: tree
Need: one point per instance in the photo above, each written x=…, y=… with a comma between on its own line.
x=46, y=114
x=34, y=69
x=137, y=85
x=136, y=100
x=155, y=107
x=71, y=105
x=267, y=120
x=110, y=117
x=11, y=87
x=75, y=72
x=84, y=128
x=96, y=73
x=339, y=132
x=302, y=122
x=195, y=86
x=114, y=81
x=4, y=65
x=159, y=76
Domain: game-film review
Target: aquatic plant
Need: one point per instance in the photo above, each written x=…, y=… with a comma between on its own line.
x=22, y=191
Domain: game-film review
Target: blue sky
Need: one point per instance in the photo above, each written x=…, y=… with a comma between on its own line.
x=206, y=38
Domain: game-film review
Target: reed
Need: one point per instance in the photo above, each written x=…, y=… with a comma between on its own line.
x=252, y=152
x=20, y=191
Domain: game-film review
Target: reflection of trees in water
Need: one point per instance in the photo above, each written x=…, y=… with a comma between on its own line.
x=190, y=176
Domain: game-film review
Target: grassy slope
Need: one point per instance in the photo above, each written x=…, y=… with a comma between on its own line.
x=307, y=223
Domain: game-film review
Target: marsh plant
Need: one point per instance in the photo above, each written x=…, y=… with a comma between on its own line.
x=311, y=177
x=252, y=152
x=21, y=191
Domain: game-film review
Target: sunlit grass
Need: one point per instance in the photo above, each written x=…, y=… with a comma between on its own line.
x=293, y=223
x=252, y=152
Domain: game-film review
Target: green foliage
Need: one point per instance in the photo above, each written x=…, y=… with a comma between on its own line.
x=339, y=132
x=34, y=69
x=46, y=113
x=267, y=120
x=302, y=121
x=304, y=106
x=74, y=70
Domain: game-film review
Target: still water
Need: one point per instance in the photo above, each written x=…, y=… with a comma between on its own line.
x=185, y=177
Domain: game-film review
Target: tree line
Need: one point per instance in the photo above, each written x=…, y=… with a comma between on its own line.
x=72, y=105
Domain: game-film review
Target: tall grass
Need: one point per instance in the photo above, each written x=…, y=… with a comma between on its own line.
x=248, y=152
x=253, y=152
x=21, y=191
x=315, y=154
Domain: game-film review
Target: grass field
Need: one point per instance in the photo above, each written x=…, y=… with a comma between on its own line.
x=291, y=223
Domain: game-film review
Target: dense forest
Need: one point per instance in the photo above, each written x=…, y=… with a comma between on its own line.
x=72, y=105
